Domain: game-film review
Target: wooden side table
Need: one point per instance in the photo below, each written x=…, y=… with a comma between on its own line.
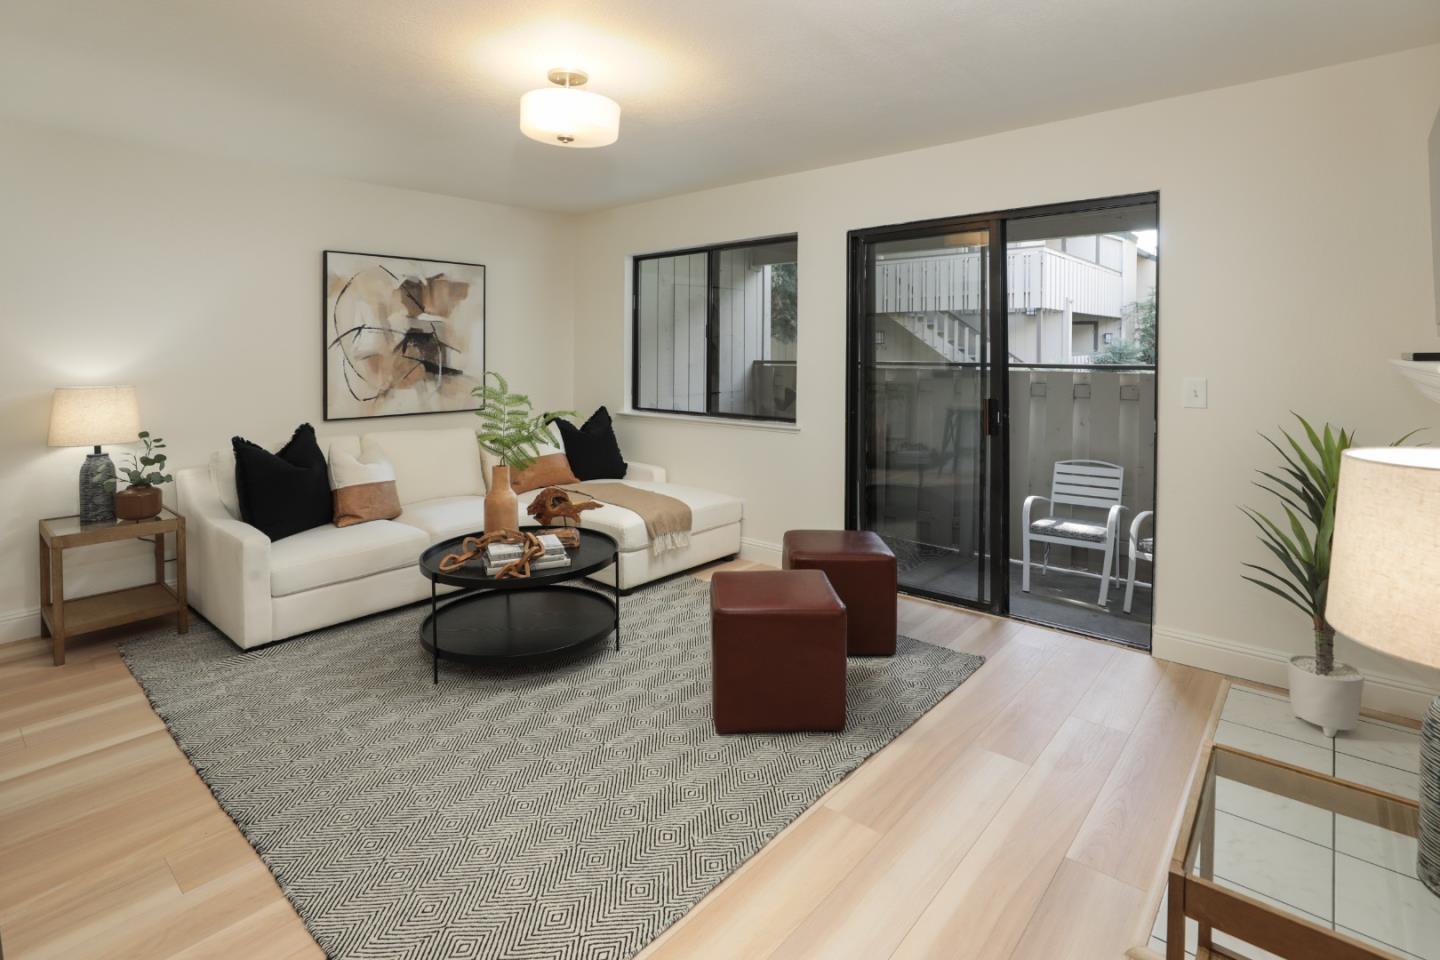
x=61, y=618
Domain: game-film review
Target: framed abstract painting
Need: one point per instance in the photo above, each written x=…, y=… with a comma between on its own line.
x=403, y=335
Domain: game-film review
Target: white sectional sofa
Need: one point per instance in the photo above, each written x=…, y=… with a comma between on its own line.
x=257, y=592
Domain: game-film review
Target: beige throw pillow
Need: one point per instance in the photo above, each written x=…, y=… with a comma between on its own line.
x=364, y=490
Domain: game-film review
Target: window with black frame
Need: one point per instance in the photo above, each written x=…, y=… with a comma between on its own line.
x=715, y=330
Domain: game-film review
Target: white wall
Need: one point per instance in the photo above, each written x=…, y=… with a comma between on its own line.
x=199, y=281
x=1435, y=206
x=1295, y=225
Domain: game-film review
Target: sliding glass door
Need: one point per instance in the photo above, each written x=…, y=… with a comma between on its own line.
x=923, y=403
x=1002, y=409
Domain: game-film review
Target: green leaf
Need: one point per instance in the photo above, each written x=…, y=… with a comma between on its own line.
x=1331, y=457
x=1276, y=542
x=1302, y=536
x=1317, y=476
x=1297, y=471
x=1271, y=527
x=1277, y=592
x=1301, y=597
x=1294, y=497
x=1303, y=582
x=1310, y=434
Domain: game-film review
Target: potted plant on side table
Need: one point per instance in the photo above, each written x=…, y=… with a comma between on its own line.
x=1322, y=691
x=144, y=473
x=513, y=433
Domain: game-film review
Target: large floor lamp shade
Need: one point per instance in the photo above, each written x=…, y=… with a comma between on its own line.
x=1385, y=587
x=94, y=417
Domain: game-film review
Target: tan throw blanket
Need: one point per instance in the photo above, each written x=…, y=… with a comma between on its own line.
x=667, y=520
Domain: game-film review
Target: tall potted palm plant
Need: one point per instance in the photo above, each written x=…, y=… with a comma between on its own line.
x=1322, y=691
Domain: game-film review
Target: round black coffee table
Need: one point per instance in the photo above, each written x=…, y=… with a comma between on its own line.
x=532, y=616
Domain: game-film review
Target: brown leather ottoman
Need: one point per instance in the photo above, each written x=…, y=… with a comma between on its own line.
x=777, y=646
x=862, y=571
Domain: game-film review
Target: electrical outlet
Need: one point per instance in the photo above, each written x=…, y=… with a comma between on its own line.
x=1197, y=393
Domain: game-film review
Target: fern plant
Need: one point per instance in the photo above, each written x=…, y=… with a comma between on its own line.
x=146, y=469
x=508, y=427
x=1306, y=486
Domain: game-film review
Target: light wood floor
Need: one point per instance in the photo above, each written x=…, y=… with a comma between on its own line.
x=1027, y=816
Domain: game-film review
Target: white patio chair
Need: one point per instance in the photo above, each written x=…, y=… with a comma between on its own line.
x=1092, y=484
x=1141, y=548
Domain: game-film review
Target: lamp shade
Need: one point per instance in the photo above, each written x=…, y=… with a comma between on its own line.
x=1385, y=561
x=567, y=117
x=93, y=416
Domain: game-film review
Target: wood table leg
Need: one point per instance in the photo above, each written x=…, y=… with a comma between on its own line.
x=1175, y=922
x=1207, y=859
x=181, y=595
x=56, y=563
x=44, y=587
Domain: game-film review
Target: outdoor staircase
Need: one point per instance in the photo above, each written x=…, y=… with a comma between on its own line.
x=952, y=338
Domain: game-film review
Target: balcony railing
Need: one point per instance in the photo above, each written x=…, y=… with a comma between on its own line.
x=1057, y=412
x=1041, y=278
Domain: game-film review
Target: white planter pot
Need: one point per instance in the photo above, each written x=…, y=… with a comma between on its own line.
x=1330, y=702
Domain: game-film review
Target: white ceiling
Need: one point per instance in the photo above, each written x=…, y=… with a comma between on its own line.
x=424, y=93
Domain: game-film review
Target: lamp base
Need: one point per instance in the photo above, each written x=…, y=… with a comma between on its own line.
x=97, y=502
x=1428, y=868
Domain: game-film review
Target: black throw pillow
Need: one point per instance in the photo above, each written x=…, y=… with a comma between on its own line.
x=592, y=449
x=283, y=493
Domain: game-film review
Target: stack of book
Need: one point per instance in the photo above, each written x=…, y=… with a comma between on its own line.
x=498, y=555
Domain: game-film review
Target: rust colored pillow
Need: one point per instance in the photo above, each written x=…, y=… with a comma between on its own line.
x=550, y=470
x=363, y=491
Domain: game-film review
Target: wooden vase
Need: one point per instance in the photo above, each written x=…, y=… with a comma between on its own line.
x=138, y=503
x=502, y=507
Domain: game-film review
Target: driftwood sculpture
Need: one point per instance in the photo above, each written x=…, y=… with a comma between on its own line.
x=472, y=547
x=569, y=537
x=553, y=504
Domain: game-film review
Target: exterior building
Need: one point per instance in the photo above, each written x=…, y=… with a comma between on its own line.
x=1069, y=299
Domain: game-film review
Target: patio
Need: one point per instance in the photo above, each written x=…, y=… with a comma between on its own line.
x=1060, y=597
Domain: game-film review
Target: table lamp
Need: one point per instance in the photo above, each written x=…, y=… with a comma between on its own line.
x=91, y=417
x=1385, y=588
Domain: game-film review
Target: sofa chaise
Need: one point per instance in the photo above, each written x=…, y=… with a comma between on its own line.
x=258, y=592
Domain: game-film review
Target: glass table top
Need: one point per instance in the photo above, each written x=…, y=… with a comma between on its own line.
x=66, y=526
x=1337, y=854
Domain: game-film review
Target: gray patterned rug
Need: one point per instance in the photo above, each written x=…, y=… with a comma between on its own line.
x=567, y=809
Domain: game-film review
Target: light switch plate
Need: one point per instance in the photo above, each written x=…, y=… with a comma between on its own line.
x=1197, y=392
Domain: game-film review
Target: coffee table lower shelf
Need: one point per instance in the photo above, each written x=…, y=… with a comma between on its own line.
x=501, y=625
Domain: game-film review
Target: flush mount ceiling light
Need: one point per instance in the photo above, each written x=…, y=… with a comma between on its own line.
x=566, y=116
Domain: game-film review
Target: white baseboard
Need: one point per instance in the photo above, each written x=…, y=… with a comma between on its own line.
x=760, y=551
x=19, y=625
x=1385, y=693
x=16, y=625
